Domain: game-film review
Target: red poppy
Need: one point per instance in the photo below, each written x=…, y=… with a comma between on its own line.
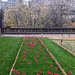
x=70, y=72
x=36, y=60
x=44, y=58
x=29, y=63
x=47, y=54
x=23, y=73
x=17, y=72
x=56, y=68
x=25, y=53
x=48, y=72
x=20, y=63
x=24, y=58
x=51, y=65
x=55, y=74
x=50, y=56
x=32, y=44
x=35, y=57
x=37, y=74
x=40, y=50
x=40, y=71
x=13, y=70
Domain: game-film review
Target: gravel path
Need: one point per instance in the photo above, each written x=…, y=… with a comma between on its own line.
x=51, y=36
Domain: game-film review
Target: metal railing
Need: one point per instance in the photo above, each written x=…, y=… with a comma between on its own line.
x=9, y=30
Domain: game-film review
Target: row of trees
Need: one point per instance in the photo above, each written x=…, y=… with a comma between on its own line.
x=39, y=15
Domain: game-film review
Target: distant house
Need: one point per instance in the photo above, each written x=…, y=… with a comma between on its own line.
x=69, y=15
x=10, y=3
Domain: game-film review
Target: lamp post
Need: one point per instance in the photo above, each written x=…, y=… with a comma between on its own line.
x=1, y=18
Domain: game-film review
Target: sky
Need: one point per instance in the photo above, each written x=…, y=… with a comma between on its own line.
x=24, y=0
x=4, y=0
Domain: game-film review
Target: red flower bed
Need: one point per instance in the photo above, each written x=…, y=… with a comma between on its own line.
x=32, y=44
x=34, y=59
x=70, y=72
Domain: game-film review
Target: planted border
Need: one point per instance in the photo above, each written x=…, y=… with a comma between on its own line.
x=33, y=59
x=64, y=73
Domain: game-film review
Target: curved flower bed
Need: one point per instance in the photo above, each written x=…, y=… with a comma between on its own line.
x=35, y=60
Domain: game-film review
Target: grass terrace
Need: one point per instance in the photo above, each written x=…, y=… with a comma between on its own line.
x=8, y=49
x=33, y=58
x=66, y=60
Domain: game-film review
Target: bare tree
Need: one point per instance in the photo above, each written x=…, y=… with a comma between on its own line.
x=56, y=12
x=1, y=21
x=40, y=14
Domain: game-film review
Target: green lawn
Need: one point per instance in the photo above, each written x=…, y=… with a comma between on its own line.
x=33, y=59
x=66, y=60
x=8, y=49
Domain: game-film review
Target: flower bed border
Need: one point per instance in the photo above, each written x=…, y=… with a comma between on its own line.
x=16, y=57
x=64, y=48
x=62, y=70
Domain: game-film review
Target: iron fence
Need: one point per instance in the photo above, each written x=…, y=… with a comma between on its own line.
x=9, y=30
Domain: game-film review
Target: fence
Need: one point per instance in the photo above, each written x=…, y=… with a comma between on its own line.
x=9, y=30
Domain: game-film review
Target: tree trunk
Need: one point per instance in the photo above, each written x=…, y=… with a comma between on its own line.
x=0, y=31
